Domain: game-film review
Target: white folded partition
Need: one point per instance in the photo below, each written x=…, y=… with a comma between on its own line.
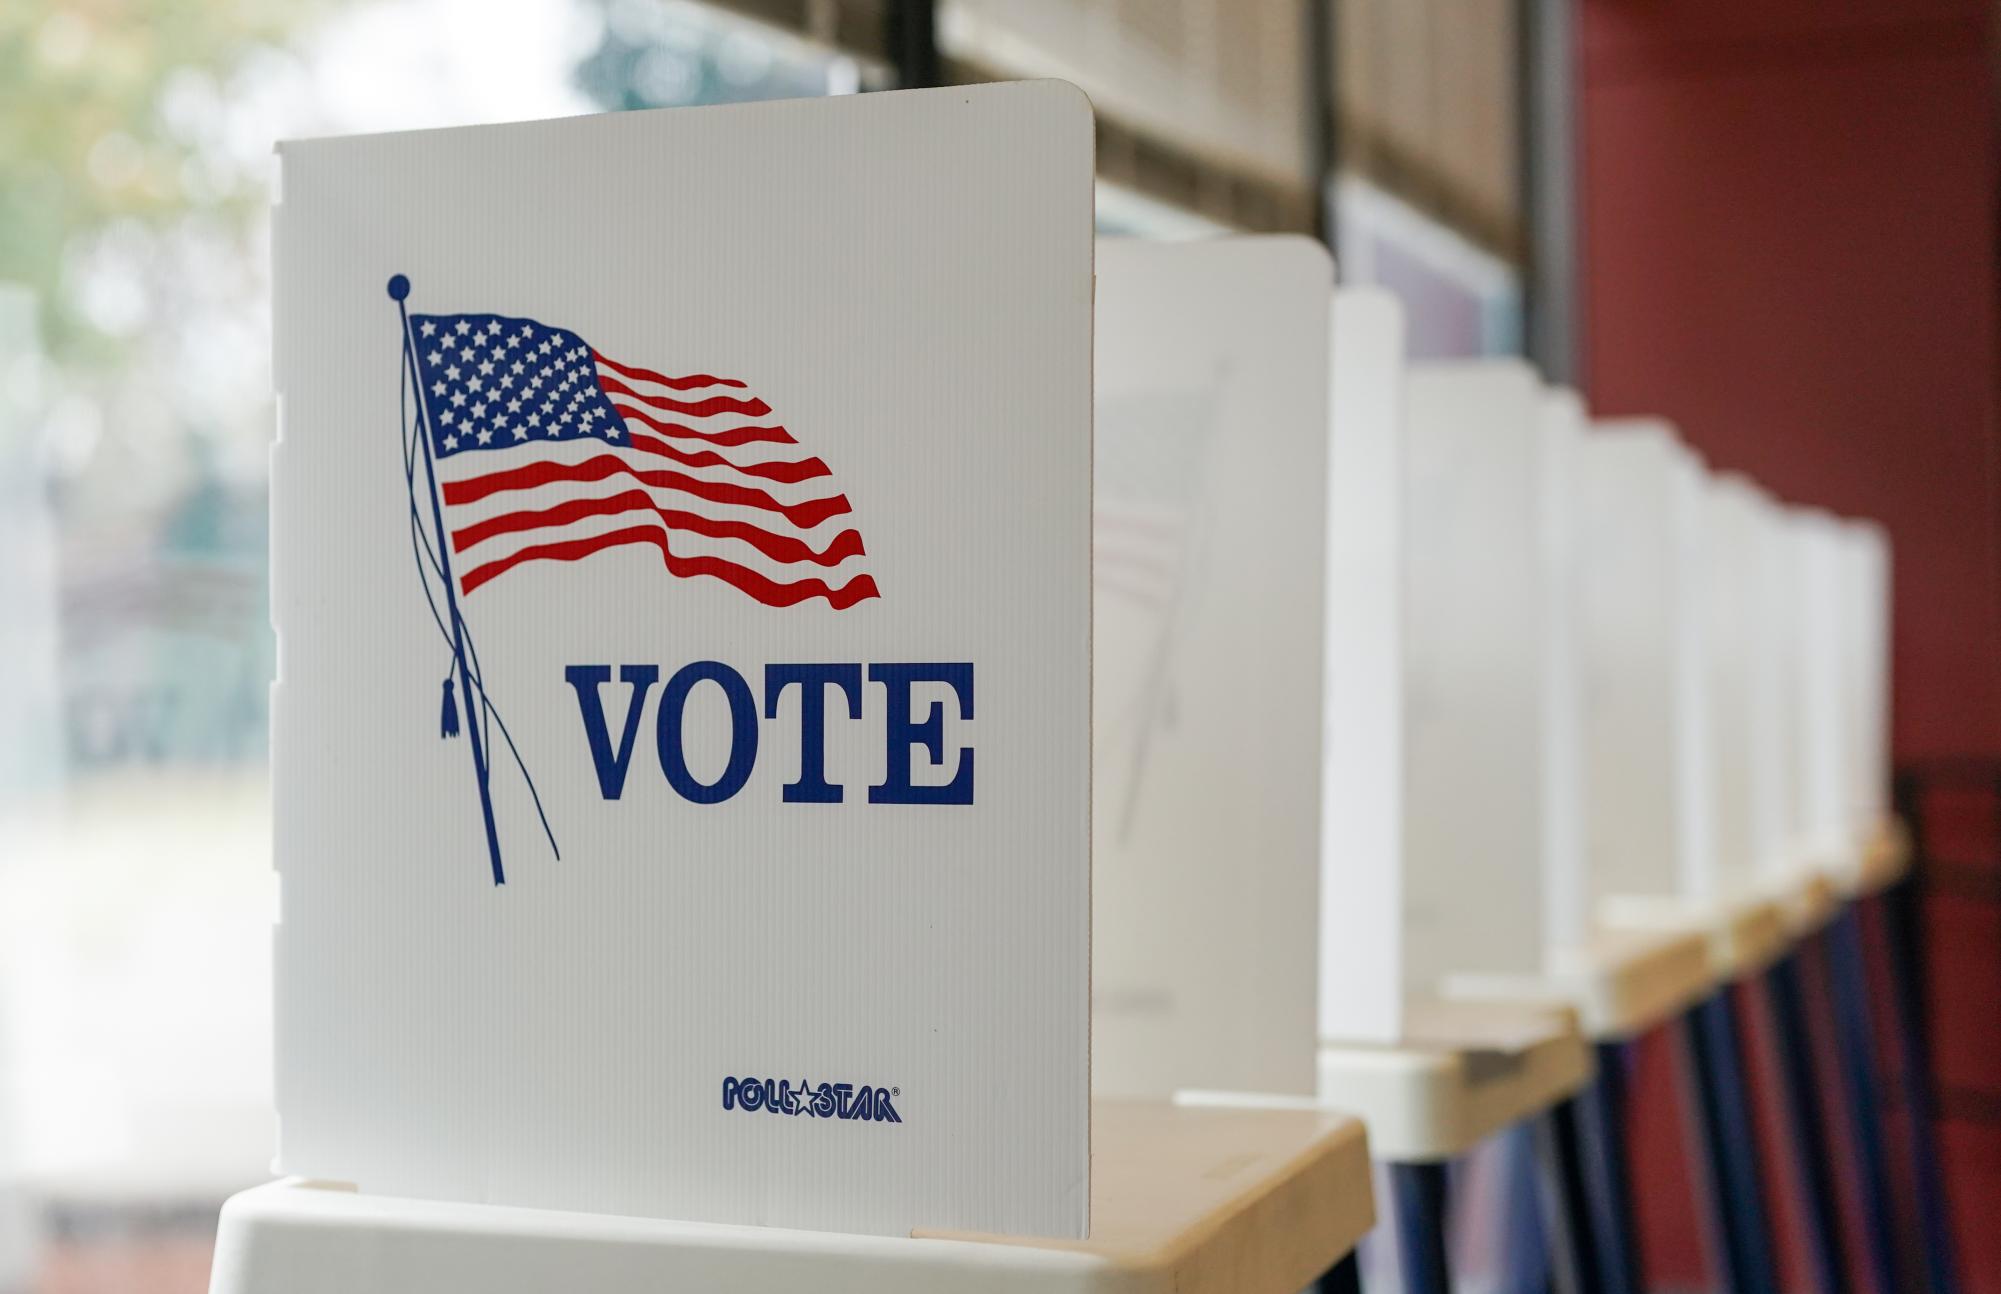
x=1209, y=540
x=821, y=961
x=1361, y=888
x=1773, y=730
x=1821, y=822
x=1866, y=675
x=1740, y=716
x=1473, y=706
x=1566, y=862
x=1649, y=817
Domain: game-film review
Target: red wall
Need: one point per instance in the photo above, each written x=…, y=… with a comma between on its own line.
x=1789, y=248
x=1789, y=232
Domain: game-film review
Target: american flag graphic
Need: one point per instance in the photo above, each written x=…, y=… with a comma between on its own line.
x=548, y=451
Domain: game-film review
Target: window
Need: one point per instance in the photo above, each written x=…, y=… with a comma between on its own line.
x=136, y=892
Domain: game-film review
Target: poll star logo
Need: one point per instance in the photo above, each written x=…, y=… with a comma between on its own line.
x=844, y=1101
x=535, y=447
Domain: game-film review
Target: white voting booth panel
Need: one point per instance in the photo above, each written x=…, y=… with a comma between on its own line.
x=1865, y=685
x=1430, y=1078
x=1739, y=712
x=1566, y=878
x=1473, y=707
x=1619, y=981
x=1771, y=728
x=725, y=473
x=1639, y=623
x=1210, y=506
x=1361, y=891
x=1822, y=826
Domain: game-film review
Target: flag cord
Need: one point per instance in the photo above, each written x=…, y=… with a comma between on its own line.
x=427, y=562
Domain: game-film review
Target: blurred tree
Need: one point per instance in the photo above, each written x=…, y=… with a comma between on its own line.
x=655, y=55
x=106, y=108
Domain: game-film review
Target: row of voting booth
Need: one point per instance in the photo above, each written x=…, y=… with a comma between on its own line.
x=1128, y=750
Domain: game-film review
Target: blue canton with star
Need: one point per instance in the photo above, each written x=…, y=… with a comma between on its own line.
x=490, y=382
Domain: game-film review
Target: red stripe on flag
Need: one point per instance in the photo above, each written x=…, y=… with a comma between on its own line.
x=530, y=475
x=677, y=383
x=779, y=548
x=770, y=592
x=727, y=439
x=708, y=408
x=786, y=472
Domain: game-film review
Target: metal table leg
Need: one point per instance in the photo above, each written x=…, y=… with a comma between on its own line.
x=1902, y=914
x=1726, y=1154
x=1601, y=1110
x=1524, y=1239
x=1805, y=1127
x=1344, y=1277
x=1573, y=1258
x=1863, y=1095
x=1418, y=1192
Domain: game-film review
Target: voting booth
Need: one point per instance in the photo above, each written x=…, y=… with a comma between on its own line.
x=1209, y=503
x=684, y=732
x=1740, y=697
x=1361, y=886
x=723, y=716
x=1865, y=682
x=1763, y=564
x=1621, y=980
x=1649, y=817
x=1473, y=685
x=1568, y=924
x=1820, y=823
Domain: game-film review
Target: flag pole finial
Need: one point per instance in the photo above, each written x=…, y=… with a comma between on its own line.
x=399, y=287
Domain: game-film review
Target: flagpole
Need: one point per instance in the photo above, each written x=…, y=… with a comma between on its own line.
x=399, y=290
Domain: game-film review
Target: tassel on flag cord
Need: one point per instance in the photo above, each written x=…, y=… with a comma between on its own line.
x=418, y=434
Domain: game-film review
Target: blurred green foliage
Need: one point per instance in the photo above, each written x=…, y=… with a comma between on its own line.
x=88, y=135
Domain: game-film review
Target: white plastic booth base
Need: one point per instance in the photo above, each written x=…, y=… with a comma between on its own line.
x=1461, y=1073
x=1183, y=1201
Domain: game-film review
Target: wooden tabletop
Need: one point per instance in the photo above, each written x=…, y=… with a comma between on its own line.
x=1808, y=901
x=1881, y=863
x=1746, y=933
x=1621, y=982
x=1193, y=1198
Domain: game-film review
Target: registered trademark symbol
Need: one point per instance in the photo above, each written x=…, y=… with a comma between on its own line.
x=896, y=1091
